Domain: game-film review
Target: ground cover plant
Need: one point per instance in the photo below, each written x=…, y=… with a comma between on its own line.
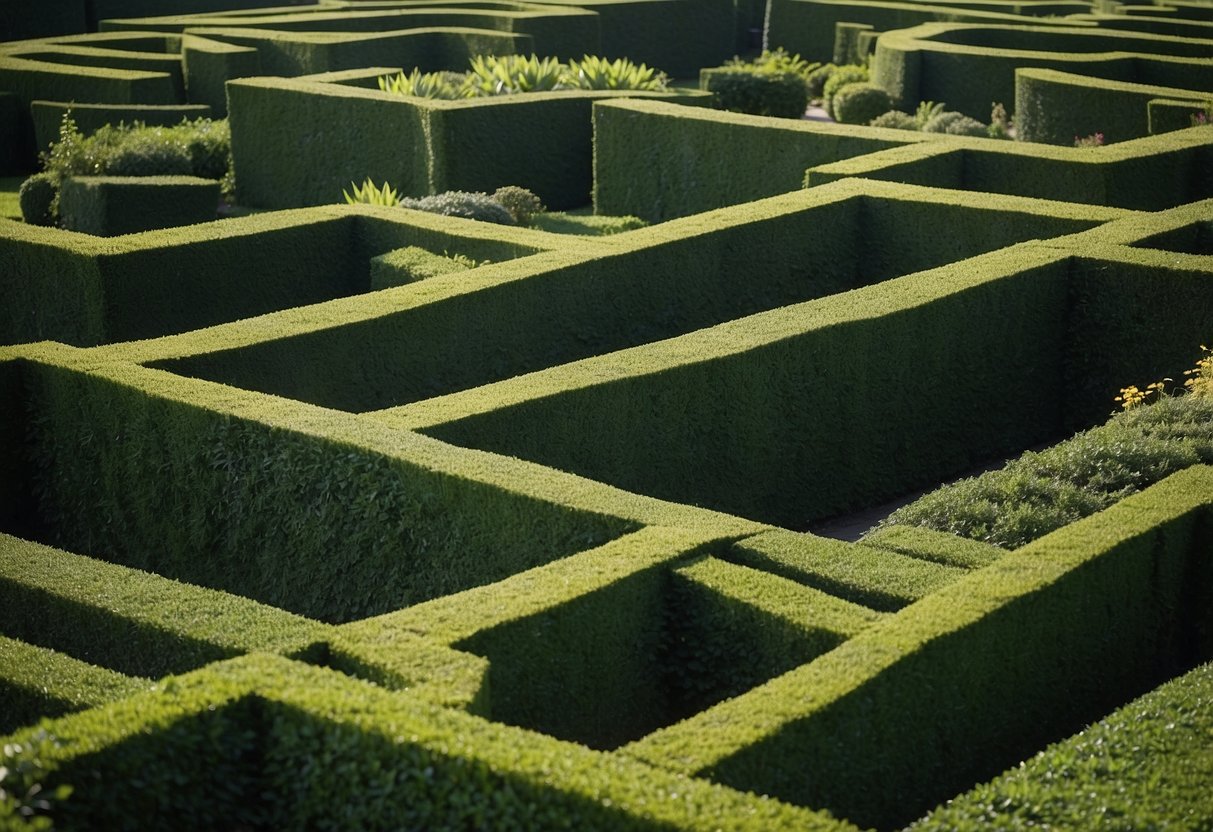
x=428, y=507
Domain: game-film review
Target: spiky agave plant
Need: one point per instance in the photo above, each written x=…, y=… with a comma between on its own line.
x=369, y=194
x=594, y=73
x=419, y=84
x=508, y=74
x=928, y=110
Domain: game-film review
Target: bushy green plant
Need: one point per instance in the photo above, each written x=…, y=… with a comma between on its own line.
x=508, y=74
x=1040, y=492
x=839, y=78
x=593, y=73
x=928, y=110
x=470, y=205
x=369, y=194
x=775, y=60
x=36, y=198
x=955, y=124
x=815, y=80
x=521, y=203
x=421, y=84
x=896, y=119
x=860, y=103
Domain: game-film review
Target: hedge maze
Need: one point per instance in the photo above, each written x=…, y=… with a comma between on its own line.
x=354, y=516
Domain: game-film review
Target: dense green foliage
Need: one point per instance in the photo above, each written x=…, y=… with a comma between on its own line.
x=860, y=103
x=1146, y=766
x=490, y=75
x=1042, y=491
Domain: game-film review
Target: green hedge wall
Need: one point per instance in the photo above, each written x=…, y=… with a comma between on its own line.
x=730, y=628
x=52, y=291
x=541, y=141
x=209, y=65
x=695, y=160
x=807, y=27
x=1045, y=640
x=36, y=682
x=129, y=621
x=1054, y=107
x=1146, y=765
x=387, y=524
x=111, y=205
x=290, y=746
x=969, y=66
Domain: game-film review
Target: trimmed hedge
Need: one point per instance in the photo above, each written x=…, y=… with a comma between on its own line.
x=876, y=578
x=743, y=90
x=968, y=66
x=36, y=683
x=410, y=264
x=1147, y=174
x=1145, y=765
x=541, y=141
x=409, y=519
x=809, y=27
x=683, y=168
x=290, y=746
x=111, y=205
x=1045, y=639
x=130, y=621
x=1040, y=492
x=730, y=628
x=1054, y=107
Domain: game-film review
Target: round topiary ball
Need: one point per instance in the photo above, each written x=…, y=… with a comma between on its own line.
x=843, y=76
x=955, y=124
x=895, y=119
x=36, y=198
x=860, y=103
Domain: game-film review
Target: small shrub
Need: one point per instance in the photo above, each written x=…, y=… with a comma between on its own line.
x=860, y=103
x=509, y=74
x=521, y=203
x=895, y=119
x=368, y=194
x=1200, y=377
x=37, y=197
x=1093, y=140
x=470, y=205
x=841, y=77
x=815, y=81
x=592, y=73
x=928, y=110
x=775, y=60
x=421, y=84
x=956, y=124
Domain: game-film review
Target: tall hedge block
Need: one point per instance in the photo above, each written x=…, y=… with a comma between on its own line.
x=110, y=205
x=541, y=141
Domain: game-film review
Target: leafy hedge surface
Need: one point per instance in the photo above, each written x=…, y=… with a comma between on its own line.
x=1039, y=492
x=36, y=682
x=290, y=747
x=334, y=527
x=1149, y=765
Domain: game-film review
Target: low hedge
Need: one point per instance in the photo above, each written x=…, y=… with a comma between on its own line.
x=290, y=746
x=730, y=628
x=48, y=115
x=540, y=141
x=107, y=206
x=1039, y=492
x=742, y=90
x=875, y=578
x=1145, y=765
x=130, y=621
